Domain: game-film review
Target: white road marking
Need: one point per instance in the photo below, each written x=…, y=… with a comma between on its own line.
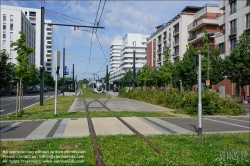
x=228, y=123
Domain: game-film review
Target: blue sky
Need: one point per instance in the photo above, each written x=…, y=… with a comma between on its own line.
x=118, y=18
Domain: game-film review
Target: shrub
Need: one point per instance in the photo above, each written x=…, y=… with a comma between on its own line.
x=187, y=102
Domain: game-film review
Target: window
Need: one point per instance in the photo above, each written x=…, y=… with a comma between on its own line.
x=49, y=42
x=49, y=68
x=248, y=21
x=4, y=43
x=48, y=38
x=4, y=35
x=48, y=64
x=47, y=55
x=232, y=43
x=10, y=44
x=233, y=7
x=217, y=15
x=222, y=48
x=11, y=35
x=48, y=51
x=11, y=53
x=11, y=26
x=48, y=60
x=4, y=26
x=4, y=17
x=233, y=27
x=11, y=18
x=247, y=2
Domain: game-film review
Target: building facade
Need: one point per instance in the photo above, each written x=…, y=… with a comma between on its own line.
x=234, y=21
x=115, y=54
x=185, y=28
x=34, y=17
x=12, y=22
x=130, y=43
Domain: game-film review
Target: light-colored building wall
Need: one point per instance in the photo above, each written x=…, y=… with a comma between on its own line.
x=34, y=17
x=126, y=55
x=12, y=22
x=115, y=54
x=241, y=17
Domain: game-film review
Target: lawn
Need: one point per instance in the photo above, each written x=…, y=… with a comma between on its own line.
x=210, y=149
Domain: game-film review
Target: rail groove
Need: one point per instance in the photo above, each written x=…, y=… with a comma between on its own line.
x=136, y=132
x=97, y=151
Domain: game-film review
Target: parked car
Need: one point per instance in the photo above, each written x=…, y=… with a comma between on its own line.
x=45, y=89
x=30, y=90
x=14, y=91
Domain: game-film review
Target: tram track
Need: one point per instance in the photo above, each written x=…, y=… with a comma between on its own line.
x=97, y=151
x=157, y=150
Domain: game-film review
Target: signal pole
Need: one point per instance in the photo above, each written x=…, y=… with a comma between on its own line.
x=42, y=57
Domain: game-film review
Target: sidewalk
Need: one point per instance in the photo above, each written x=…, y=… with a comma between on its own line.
x=111, y=93
x=78, y=93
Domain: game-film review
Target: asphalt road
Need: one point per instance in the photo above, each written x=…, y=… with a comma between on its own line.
x=8, y=103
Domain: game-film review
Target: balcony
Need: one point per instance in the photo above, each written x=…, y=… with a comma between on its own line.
x=164, y=48
x=175, y=31
x=159, y=41
x=222, y=5
x=159, y=50
x=176, y=42
x=219, y=38
x=203, y=21
x=175, y=54
x=159, y=60
x=233, y=31
x=164, y=38
x=222, y=20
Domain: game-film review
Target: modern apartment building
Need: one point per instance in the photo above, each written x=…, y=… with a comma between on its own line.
x=115, y=54
x=13, y=21
x=34, y=17
x=48, y=49
x=130, y=43
x=183, y=29
x=234, y=21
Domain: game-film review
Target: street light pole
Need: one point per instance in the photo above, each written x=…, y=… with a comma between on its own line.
x=208, y=63
x=134, y=46
x=199, y=100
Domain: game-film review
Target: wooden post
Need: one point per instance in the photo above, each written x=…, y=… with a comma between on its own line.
x=17, y=98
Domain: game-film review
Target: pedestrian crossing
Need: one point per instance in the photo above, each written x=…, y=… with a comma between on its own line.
x=78, y=127
x=36, y=97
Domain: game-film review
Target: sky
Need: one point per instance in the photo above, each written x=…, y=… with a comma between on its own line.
x=89, y=52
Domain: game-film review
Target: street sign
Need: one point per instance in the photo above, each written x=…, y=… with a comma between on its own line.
x=207, y=82
x=66, y=71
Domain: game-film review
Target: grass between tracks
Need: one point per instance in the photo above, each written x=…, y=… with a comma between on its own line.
x=210, y=149
x=63, y=104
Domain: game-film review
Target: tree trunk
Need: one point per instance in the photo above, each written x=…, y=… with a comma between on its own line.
x=17, y=89
x=242, y=94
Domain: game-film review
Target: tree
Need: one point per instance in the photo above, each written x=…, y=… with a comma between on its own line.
x=33, y=75
x=187, y=69
x=7, y=69
x=21, y=70
x=164, y=73
x=143, y=76
x=126, y=79
x=237, y=64
x=215, y=61
x=48, y=79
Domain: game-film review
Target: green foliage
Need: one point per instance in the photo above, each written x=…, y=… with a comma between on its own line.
x=7, y=69
x=33, y=75
x=187, y=69
x=21, y=70
x=187, y=102
x=48, y=79
x=237, y=64
x=126, y=78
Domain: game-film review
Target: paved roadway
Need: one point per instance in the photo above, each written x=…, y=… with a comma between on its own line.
x=78, y=127
x=8, y=103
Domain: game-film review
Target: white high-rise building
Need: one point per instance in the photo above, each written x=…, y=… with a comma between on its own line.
x=12, y=22
x=34, y=17
x=115, y=54
x=130, y=42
